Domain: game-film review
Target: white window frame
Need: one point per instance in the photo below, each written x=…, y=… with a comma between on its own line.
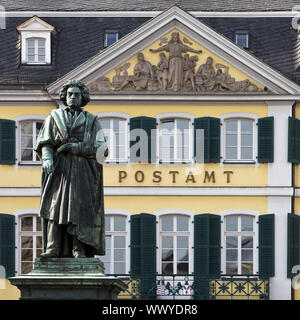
x=175, y=116
x=19, y=215
x=18, y=121
x=116, y=32
x=246, y=33
x=175, y=212
x=126, y=215
x=238, y=116
x=240, y=213
x=117, y=116
x=36, y=49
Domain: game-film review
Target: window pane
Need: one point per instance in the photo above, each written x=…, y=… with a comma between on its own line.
x=182, y=268
x=119, y=255
x=30, y=52
x=167, y=127
x=167, y=255
x=107, y=267
x=107, y=223
x=232, y=223
x=30, y=43
x=246, y=140
x=119, y=267
x=246, y=153
x=182, y=223
x=231, y=126
x=247, y=224
x=167, y=268
x=39, y=242
x=26, y=255
x=247, y=268
x=231, y=242
x=231, y=140
x=38, y=252
x=119, y=242
x=41, y=43
x=167, y=223
x=182, y=255
x=231, y=268
x=108, y=242
x=26, y=242
x=26, y=267
x=246, y=126
x=38, y=224
x=231, y=255
x=182, y=242
x=241, y=40
x=247, y=242
x=231, y=153
x=111, y=38
x=26, y=142
x=119, y=224
x=167, y=242
x=26, y=224
x=107, y=257
x=247, y=255
x=31, y=58
x=27, y=155
x=26, y=127
x=41, y=58
x=105, y=123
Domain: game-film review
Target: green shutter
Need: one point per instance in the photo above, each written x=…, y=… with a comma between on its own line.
x=7, y=141
x=293, y=243
x=147, y=124
x=294, y=140
x=207, y=252
x=266, y=245
x=265, y=139
x=7, y=243
x=143, y=253
x=211, y=127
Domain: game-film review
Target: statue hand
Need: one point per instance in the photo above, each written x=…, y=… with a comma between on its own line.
x=48, y=166
x=69, y=146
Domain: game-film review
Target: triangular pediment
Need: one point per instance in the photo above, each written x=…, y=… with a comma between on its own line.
x=35, y=24
x=175, y=53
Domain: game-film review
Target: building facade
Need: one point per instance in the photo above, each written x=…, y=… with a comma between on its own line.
x=201, y=114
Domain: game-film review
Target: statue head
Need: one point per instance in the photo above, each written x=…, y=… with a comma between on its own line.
x=209, y=61
x=175, y=37
x=74, y=94
x=141, y=56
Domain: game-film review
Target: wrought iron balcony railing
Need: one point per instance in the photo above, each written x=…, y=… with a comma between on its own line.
x=171, y=287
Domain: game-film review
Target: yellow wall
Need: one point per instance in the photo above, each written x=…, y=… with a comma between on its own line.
x=23, y=176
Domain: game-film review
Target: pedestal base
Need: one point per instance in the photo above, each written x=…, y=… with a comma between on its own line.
x=68, y=278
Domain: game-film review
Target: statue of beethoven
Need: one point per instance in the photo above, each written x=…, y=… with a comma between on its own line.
x=72, y=206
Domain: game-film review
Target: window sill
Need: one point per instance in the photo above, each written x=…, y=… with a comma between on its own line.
x=37, y=164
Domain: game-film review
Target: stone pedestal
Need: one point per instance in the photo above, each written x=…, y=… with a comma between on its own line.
x=68, y=278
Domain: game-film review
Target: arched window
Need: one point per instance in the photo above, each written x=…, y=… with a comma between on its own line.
x=240, y=244
x=175, y=140
x=174, y=248
x=28, y=133
x=29, y=241
x=115, y=244
x=116, y=134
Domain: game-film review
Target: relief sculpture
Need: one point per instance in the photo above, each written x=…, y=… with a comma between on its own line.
x=176, y=72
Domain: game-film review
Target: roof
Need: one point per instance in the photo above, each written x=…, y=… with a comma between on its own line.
x=144, y=5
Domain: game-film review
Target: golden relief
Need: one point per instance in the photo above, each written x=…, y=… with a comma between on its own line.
x=173, y=74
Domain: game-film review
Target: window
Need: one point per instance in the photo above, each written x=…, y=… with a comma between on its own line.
x=174, y=243
x=36, y=50
x=35, y=41
x=115, y=131
x=30, y=241
x=175, y=140
x=242, y=39
x=239, y=140
x=110, y=38
x=115, y=242
x=29, y=131
x=239, y=244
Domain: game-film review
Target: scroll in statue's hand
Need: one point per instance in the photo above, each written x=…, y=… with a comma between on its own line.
x=48, y=166
x=69, y=146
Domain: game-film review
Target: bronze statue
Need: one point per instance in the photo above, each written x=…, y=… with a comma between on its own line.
x=175, y=47
x=72, y=206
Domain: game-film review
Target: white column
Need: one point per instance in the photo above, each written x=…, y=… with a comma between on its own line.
x=279, y=172
x=280, y=285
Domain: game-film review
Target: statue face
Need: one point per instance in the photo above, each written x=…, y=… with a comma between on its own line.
x=74, y=97
x=175, y=36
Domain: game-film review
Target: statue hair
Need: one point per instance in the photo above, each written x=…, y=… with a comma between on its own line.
x=78, y=84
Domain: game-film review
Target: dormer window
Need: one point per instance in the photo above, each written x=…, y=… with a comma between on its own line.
x=111, y=36
x=35, y=41
x=242, y=39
